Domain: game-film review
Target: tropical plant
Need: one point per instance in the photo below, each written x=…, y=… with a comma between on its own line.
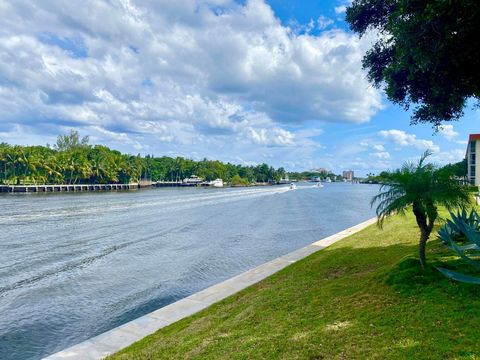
x=4, y=149
x=461, y=234
x=422, y=187
x=238, y=181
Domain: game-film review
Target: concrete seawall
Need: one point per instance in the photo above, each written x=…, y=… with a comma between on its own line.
x=120, y=337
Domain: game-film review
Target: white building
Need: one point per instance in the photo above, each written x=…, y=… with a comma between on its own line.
x=473, y=167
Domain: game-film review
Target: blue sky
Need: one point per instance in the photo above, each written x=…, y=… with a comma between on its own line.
x=240, y=81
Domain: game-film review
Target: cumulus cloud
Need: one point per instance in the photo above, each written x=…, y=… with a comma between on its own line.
x=448, y=132
x=448, y=157
x=340, y=9
x=381, y=155
x=324, y=22
x=402, y=138
x=378, y=147
x=273, y=137
x=181, y=71
x=377, y=150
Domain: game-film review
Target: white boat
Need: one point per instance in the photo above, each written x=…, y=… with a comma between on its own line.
x=293, y=186
x=216, y=183
x=328, y=180
x=193, y=180
x=318, y=185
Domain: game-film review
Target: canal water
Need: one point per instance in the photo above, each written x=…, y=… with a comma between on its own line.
x=75, y=265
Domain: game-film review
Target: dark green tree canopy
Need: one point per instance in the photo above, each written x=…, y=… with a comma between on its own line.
x=428, y=53
x=458, y=169
x=72, y=160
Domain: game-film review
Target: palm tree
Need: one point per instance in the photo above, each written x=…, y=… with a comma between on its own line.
x=30, y=162
x=97, y=169
x=84, y=169
x=14, y=161
x=49, y=168
x=423, y=187
x=3, y=161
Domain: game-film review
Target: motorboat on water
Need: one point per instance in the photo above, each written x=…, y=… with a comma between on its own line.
x=318, y=185
x=293, y=186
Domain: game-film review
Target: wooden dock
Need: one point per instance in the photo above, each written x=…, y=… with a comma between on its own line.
x=67, y=188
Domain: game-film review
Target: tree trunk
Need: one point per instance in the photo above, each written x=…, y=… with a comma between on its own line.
x=424, y=235
x=425, y=230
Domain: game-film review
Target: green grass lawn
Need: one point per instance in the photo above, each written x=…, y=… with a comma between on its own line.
x=362, y=298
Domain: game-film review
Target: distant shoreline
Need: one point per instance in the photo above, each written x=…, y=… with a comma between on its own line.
x=72, y=188
x=101, y=188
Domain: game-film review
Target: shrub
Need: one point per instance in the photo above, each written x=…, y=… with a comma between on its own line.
x=462, y=235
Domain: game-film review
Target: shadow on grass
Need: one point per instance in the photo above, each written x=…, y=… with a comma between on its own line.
x=408, y=278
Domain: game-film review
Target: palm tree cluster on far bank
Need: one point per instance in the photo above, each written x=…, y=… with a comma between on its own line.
x=422, y=187
x=72, y=160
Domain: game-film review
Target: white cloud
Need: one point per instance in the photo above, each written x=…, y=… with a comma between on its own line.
x=299, y=29
x=379, y=151
x=448, y=157
x=274, y=137
x=213, y=77
x=242, y=55
x=401, y=138
x=340, y=9
x=324, y=22
x=448, y=132
x=381, y=155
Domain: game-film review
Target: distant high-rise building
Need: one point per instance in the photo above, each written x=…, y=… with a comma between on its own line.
x=348, y=175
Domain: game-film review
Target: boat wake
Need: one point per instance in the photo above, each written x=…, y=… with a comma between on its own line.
x=185, y=200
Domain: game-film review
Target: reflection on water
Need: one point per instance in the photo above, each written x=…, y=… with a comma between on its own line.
x=75, y=265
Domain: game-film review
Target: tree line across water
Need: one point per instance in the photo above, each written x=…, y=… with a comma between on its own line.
x=72, y=160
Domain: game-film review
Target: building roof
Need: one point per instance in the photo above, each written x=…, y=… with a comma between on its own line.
x=471, y=137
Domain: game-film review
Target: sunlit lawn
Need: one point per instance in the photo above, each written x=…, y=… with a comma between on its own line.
x=362, y=298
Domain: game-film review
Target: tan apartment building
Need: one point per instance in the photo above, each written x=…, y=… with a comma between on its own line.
x=349, y=175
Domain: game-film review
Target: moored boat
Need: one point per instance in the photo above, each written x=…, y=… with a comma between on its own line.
x=193, y=180
x=216, y=183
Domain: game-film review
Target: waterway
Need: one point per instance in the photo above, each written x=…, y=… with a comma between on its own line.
x=74, y=265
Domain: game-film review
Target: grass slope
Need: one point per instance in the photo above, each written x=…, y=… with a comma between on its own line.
x=362, y=298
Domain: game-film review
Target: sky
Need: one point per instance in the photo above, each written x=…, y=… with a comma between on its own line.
x=247, y=82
